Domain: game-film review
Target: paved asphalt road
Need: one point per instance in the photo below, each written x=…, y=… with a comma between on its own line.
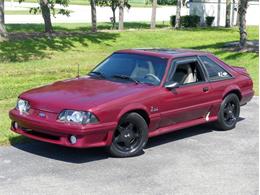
x=197, y=160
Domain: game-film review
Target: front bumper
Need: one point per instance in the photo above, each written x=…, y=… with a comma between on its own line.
x=50, y=130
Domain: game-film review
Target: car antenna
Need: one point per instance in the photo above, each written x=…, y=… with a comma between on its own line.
x=78, y=71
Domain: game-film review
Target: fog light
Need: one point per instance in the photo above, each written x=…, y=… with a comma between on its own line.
x=16, y=125
x=73, y=139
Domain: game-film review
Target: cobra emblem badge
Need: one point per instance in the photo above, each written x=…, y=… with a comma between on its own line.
x=42, y=115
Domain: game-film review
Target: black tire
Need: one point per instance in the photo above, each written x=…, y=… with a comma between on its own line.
x=228, y=113
x=130, y=137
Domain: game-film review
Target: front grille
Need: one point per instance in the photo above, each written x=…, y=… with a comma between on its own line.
x=39, y=134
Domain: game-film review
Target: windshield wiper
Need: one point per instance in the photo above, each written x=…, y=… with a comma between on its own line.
x=120, y=76
x=100, y=74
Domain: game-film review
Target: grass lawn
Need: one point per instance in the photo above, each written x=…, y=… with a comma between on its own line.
x=33, y=62
x=25, y=12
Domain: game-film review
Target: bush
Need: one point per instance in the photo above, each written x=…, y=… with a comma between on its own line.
x=172, y=20
x=209, y=20
x=167, y=2
x=190, y=21
x=186, y=21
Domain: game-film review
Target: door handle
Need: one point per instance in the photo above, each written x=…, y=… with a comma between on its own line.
x=205, y=89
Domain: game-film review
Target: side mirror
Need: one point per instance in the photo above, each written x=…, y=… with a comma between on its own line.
x=171, y=85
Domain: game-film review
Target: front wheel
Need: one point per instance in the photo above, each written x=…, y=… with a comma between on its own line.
x=229, y=112
x=130, y=136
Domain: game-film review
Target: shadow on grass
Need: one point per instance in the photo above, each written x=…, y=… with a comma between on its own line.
x=220, y=49
x=79, y=27
x=74, y=155
x=24, y=47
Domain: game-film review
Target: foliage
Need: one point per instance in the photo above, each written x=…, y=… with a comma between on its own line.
x=190, y=21
x=52, y=3
x=167, y=2
x=172, y=20
x=209, y=20
x=113, y=4
x=186, y=21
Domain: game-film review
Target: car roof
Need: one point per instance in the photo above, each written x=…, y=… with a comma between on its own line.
x=163, y=52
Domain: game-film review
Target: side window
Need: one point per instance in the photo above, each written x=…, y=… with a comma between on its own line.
x=215, y=71
x=187, y=73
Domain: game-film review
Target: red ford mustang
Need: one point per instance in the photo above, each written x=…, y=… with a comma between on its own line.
x=131, y=96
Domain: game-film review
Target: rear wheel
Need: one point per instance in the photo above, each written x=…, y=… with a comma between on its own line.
x=130, y=136
x=229, y=112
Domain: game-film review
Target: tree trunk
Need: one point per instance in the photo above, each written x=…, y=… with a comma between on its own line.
x=238, y=4
x=178, y=15
x=153, y=19
x=93, y=16
x=46, y=14
x=114, y=17
x=242, y=22
x=218, y=14
x=121, y=16
x=2, y=20
x=228, y=13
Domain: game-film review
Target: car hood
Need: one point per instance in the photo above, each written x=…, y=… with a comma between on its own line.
x=80, y=94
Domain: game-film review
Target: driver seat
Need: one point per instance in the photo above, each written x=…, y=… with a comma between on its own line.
x=142, y=69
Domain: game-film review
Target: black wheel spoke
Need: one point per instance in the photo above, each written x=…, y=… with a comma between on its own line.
x=127, y=143
x=118, y=139
x=130, y=127
x=120, y=129
x=136, y=135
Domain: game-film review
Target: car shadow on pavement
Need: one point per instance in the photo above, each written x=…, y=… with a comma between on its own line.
x=78, y=156
x=183, y=133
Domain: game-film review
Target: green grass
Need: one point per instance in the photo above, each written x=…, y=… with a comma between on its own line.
x=25, y=64
x=17, y=12
x=25, y=12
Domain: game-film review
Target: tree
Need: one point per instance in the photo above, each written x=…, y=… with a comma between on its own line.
x=178, y=14
x=46, y=7
x=114, y=4
x=46, y=14
x=242, y=9
x=93, y=16
x=228, y=13
x=153, y=19
x=2, y=20
x=121, y=15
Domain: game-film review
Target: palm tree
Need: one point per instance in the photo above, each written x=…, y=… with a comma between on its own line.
x=228, y=13
x=178, y=15
x=93, y=16
x=2, y=20
x=121, y=15
x=153, y=19
x=242, y=8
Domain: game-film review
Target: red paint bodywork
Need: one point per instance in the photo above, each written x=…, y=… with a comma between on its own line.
x=109, y=101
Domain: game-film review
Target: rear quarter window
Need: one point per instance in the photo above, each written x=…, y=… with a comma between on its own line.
x=214, y=70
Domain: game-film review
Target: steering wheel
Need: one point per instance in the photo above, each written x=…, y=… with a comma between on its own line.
x=152, y=76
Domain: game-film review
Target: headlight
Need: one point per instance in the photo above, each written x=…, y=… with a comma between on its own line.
x=23, y=106
x=80, y=117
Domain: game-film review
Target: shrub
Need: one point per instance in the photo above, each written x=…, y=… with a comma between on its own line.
x=167, y=2
x=190, y=21
x=186, y=21
x=209, y=20
x=172, y=20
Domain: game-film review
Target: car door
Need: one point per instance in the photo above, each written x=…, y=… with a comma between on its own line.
x=191, y=100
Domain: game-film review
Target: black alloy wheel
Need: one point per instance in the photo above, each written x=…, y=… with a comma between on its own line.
x=130, y=136
x=229, y=112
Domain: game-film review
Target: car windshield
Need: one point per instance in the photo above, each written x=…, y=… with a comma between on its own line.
x=132, y=68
